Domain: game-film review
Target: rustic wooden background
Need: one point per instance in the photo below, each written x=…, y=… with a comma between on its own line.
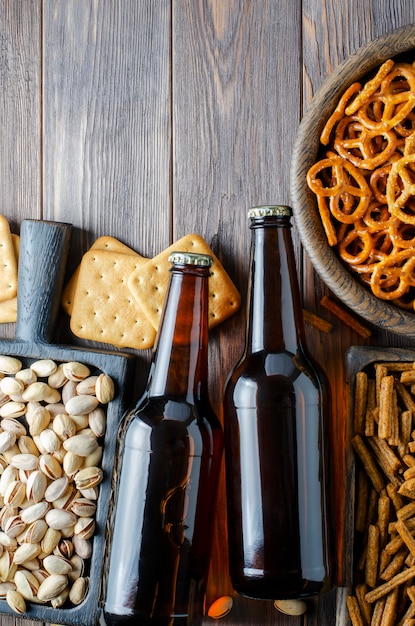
x=150, y=119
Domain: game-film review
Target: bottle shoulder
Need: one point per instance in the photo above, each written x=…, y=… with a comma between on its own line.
x=281, y=372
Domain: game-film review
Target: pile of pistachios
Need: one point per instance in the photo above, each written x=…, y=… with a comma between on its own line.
x=52, y=424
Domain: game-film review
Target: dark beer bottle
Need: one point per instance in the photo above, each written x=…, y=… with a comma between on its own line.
x=275, y=406
x=170, y=468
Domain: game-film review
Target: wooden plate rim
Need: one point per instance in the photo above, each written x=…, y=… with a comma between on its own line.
x=305, y=212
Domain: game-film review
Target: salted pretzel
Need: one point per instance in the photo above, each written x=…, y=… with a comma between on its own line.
x=364, y=181
x=360, y=145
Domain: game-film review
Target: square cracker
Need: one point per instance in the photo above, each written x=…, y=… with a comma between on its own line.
x=104, y=309
x=8, y=262
x=8, y=308
x=110, y=244
x=149, y=283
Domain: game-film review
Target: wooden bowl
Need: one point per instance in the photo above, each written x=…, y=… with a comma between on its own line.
x=328, y=265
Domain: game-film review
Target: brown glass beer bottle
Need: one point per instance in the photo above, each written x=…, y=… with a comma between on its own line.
x=275, y=406
x=171, y=458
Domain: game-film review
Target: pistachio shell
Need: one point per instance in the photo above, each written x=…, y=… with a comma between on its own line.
x=11, y=386
x=76, y=371
x=88, y=477
x=63, y=426
x=25, y=461
x=36, y=392
x=79, y=590
x=7, y=541
x=12, y=425
x=87, y=386
x=50, y=540
x=44, y=367
x=9, y=364
x=50, y=466
x=57, y=379
x=82, y=507
x=56, y=489
x=59, y=601
x=81, y=405
x=36, y=486
x=4, y=588
x=39, y=420
x=81, y=445
x=7, y=440
x=97, y=422
x=26, y=376
x=85, y=527
x=36, y=531
x=27, y=445
x=34, y=512
x=78, y=567
x=60, y=519
x=52, y=587
x=49, y=440
x=26, y=584
x=291, y=607
x=15, y=493
x=14, y=526
x=105, y=389
x=16, y=601
x=54, y=564
x=71, y=464
x=220, y=607
x=26, y=552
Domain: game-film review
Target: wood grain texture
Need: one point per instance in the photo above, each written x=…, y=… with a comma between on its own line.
x=150, y=120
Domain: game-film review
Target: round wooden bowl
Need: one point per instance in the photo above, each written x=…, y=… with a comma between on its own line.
x=337, y=277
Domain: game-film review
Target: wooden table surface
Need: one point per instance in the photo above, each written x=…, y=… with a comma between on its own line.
x=151, y=119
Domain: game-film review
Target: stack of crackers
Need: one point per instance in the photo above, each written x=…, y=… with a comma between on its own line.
x=116, y=296
x=9, y=256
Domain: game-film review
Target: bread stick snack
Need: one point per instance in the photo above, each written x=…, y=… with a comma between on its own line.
x=384, y=568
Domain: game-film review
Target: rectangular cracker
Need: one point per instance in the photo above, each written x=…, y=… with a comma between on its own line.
x=104, y=309
x=8, y=262
x=149, y=283
x=106, y=242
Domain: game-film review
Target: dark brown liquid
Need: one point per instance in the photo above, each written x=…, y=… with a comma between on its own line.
x=275, y=467
x=164, y=521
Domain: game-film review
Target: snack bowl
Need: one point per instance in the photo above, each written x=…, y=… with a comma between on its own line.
x=376, y=479
x=345, y=284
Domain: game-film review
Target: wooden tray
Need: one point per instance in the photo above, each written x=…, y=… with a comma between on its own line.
x=44, y=250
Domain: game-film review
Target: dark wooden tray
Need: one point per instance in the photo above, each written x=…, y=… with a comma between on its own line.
x=44, y=250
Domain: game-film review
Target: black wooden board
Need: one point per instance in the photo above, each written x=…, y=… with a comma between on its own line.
x=43, y=253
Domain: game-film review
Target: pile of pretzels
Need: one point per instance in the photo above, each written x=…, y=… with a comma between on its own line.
x=364, y=181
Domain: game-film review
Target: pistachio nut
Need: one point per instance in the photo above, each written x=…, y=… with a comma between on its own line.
x=16, y=601
x=52, y=587
x=55, y=564
x=59, y=519
x=88, y=477
x=9, y=364
x=36, y=485
x=56, y=489
x=104, y=389
x=80, y=405
x=79, y=590
x=81, y=445
x=76, y=371
x=44, y=367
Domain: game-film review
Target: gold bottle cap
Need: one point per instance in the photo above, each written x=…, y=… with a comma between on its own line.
x=278, y=210
x=191, y=258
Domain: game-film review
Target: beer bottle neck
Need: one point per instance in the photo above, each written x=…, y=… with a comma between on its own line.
x=274, y=321
x=179, y=364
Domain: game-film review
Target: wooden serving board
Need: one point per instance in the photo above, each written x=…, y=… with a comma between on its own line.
x=43, y=255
